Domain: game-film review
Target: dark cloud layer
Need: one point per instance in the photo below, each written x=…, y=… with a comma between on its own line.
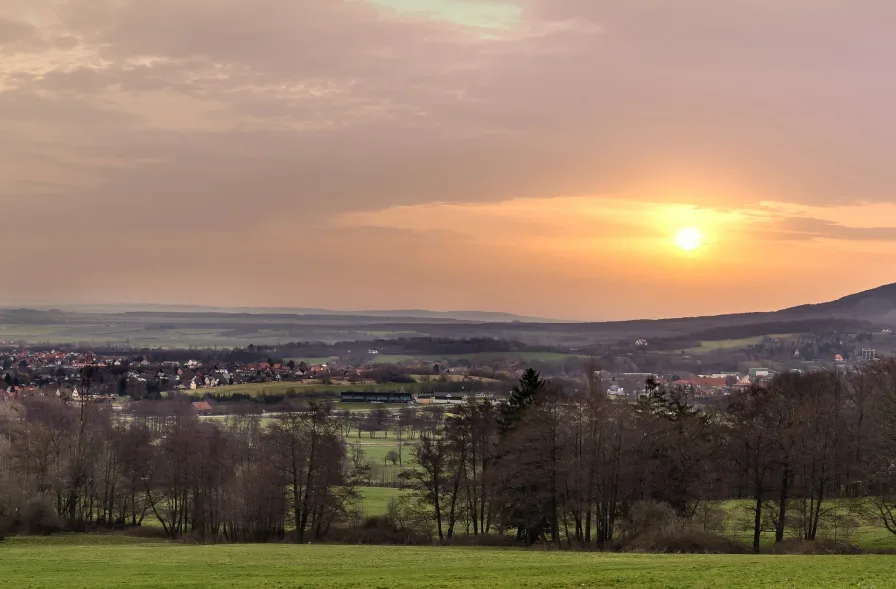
x=179, y=121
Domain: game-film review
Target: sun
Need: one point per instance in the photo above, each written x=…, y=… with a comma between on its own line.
x=689, y=239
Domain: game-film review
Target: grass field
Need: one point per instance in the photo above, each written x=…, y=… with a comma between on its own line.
x=868, y=534
x=376, y=499
x=730, y=344
x=83, y=562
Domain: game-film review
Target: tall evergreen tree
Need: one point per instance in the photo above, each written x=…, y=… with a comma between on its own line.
x=521, y=398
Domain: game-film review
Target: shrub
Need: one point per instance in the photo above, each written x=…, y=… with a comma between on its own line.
x=144, y=532
x=39, y=517
x=486, y=540
x=842, y=528
x=685, y=540
x=378, y=530
x=798, y=546
x=407, y=514
x=710, y=517
x=647, y=516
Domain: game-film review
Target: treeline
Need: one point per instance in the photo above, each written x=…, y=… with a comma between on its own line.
x=825, y=326
x=582, y=470
x=78, y=468
x=547, y=466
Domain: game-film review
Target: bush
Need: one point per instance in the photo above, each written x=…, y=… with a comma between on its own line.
x=798, y=546
x=378, y=530
x=649, y=516
x=710, y=517
x=486, y=540
x=683, y=541
x=406, y=513
x=39, y=517
x=144, y=532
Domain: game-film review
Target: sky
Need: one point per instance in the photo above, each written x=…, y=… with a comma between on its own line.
x=536, y=157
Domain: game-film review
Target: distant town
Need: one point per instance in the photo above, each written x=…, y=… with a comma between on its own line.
x=369, y=376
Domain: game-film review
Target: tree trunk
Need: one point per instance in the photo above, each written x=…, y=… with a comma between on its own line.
x=782, y=503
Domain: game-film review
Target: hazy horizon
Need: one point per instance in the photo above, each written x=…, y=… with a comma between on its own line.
x=117, y=306
x=534, y=157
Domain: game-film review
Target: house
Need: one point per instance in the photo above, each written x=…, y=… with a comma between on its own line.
x=202, y=408
x=744, y=383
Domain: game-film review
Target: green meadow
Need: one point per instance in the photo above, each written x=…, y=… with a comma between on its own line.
x=91, y=562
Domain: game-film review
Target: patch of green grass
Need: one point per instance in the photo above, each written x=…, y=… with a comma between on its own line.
x=868, y=534
x=730, y=344
x=377, y=453
x=27, y=332
x=27, y=565
x=81, y=540
x=376, y=499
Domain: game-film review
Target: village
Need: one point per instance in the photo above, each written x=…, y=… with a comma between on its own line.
x=81, y=374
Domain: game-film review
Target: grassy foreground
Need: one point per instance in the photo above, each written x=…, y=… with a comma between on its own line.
x=65, y=562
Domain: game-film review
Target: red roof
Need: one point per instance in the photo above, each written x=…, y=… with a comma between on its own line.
x=710, y=382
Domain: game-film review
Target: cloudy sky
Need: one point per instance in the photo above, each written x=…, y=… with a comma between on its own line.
x=529, y=156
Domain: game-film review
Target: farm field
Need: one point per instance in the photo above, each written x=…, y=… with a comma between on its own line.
x=730, y=344
x=61, y=562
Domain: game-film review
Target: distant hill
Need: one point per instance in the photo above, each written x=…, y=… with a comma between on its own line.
x=877, y=304
x=475, y=316
x=184, y=325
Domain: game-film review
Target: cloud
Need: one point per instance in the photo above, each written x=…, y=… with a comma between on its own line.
x=634, y=221
x=15, y=33
x=163, y=121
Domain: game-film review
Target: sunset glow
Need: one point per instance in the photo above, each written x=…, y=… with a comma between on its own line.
x=429, y=153
x=689, y=239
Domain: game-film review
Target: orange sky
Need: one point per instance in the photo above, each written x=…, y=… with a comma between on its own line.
x=529, y=156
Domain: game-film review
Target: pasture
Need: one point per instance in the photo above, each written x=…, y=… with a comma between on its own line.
x=732, y=344
x=90, y=561
x=375, y=500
